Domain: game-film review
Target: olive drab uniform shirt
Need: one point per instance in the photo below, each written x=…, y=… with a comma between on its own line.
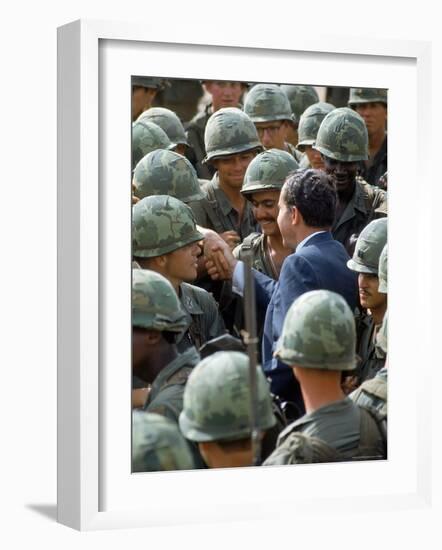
x=372, y=360
x=261, y=257
x=214, y=211
x=166, y=394
x=344, y=429
x=195, y=135
x=373, y=170
x=373, y=393
x=206, y=321
x=366, y=204
x=294, y=152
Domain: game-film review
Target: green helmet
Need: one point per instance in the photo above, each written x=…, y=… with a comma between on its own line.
x=153, y=82
x=367, y=95
x=217, y=399
x=310, y=121
x=382, y=272
x=168, y=121
x=157, y=444
x=343, y=136
x=155, y=304
x=382, y=335
x=164, y=172
x=300, y=98
x=369, y=246
x=267, y=102
x=318, y=332
x=162, y=224
x=268, y=170
x=229, y=131
x=146, y=137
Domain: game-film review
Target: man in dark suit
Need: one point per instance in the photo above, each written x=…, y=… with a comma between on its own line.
x=307, y=208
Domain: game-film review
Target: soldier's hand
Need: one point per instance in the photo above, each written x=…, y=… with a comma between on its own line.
x=220, y=262
x=349, y=384
x=231, y=238
x=134, y=198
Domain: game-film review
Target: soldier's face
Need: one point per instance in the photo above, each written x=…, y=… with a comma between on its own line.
x=182, y=264
x=374, y=115
x=285, y=223
x=369, y=295
x=141, y=100
x=231, y=169
x=224, y=94
x=266, y=209
x=343, y=173
x=314, y=157
x=273, y=134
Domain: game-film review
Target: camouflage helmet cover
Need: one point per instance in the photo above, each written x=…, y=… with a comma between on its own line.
x=146, y=137
x=155, y=304
x=268, y=170
x=162, y=224
x=300, y=97
x=343, y=136
x=163, y=172
x=158, y=445
x=229, y=131
x=217, y=399
x=383, y=270
x=267, y=102
x=310, y=121
x=168, y=121
x=367, y=95
x=153, y=82
x=369, y=246
x=318, y=332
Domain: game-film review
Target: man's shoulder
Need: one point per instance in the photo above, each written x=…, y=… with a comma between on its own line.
x=200, y=295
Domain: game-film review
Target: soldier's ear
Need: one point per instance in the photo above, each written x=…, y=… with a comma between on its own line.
x=296, y=216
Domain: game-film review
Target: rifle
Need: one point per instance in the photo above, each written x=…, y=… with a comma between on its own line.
x=251, y=341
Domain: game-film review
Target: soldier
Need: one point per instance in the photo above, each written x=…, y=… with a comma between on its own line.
x=181, y=96
x=371, y=104
x=365, y=262
x=269, y=109
x=300, y=98
x=342, y=140
x=216, y=413
x=223, y=94
x=231, y=143
x=169, y=122
x=147, y=137
x=144, y=89
x=318, y=343
x=373, y=392
x=263, y=182
x=158, y=445
x=308, y=128
x=165, y=240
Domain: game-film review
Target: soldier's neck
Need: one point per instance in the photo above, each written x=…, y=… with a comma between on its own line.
x=234, y=196
x=378, y=313
x=319, y=387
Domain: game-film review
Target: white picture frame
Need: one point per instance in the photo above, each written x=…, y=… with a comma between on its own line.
x=95, y=487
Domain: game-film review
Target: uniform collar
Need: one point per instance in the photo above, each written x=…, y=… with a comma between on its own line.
x=187, y=298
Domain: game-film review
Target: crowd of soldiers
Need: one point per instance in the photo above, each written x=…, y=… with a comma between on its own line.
x=259, y=280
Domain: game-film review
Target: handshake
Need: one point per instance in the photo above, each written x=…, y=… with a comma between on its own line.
x=220, y=262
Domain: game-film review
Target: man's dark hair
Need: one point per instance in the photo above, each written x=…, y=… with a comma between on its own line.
x=313, y=194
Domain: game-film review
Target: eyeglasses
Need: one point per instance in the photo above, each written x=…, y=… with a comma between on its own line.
x=272, y=129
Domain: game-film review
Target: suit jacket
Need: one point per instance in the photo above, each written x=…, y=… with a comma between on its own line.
x=321, y=263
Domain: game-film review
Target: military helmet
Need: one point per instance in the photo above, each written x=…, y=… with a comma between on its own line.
x=153, y=82
x=164, y=172
x=382, y=335
x=155, y=304
x=369, y=246
x=310, y=121
x=343, y=136
x=318, y=332
x=157, y=444
x=217, y=399
x=300, y=98
x=367, y=95
x=162, y=224
x=168, y=121
x=229, y=131
x=382, y=271
x=268, y=170
x=267, y=102
x=146, y=137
